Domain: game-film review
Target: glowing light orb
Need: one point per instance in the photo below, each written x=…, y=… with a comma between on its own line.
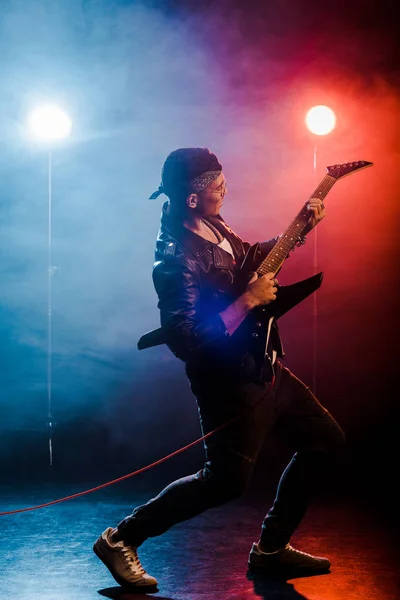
x=320, y=120
x=50, y=123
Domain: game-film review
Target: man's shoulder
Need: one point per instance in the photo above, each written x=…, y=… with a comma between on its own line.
x=172, y=253
x=169, y=250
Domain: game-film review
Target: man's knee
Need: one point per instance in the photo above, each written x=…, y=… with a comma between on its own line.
x=335, y=441
x=323, y=453
x=330, y=439
x=226, y=485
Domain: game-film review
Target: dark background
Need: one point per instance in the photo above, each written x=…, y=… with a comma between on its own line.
x=140, y=79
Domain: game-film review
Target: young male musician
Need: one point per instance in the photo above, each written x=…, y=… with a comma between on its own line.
x=196, y=264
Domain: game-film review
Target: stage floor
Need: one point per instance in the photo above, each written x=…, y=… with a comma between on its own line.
x=47, y=554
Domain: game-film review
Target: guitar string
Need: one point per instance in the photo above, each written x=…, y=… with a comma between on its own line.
x=269, y=263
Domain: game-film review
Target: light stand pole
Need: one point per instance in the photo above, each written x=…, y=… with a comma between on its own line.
x=315, y=297
x=320, y=120
x=49, y=124
x=50, y=272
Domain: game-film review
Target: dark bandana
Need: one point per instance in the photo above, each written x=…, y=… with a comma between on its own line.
x=188, y=170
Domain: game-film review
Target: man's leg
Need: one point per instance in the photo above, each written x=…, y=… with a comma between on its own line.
x=231, y=453
x=310, y=430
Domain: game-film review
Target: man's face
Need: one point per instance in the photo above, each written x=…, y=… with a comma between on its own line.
x=211, y=198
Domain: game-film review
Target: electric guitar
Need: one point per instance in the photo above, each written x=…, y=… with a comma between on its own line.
x=254, y=334
x=256, y=328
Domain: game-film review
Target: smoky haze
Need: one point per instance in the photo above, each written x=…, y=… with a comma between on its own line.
x=139, y=81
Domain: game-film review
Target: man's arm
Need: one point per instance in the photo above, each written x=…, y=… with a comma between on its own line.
x=178, y=291
x=177, y=287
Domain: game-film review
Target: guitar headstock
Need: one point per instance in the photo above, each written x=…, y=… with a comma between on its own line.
x=343, y=169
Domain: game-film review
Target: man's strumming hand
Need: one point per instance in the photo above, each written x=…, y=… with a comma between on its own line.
x=261, y=290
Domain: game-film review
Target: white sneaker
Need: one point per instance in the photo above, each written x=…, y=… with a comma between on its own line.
x=286, y=559
x=122, y=561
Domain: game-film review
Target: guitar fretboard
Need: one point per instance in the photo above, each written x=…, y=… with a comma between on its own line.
x=292, y=235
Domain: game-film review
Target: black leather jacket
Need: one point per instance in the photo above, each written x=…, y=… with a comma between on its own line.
x=193, y=279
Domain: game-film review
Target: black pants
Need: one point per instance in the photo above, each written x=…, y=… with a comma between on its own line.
x=231, y=453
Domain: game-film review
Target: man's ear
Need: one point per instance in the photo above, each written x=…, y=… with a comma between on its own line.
x=192, y=200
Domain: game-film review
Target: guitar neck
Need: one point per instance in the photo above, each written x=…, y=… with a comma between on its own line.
x=287, y=241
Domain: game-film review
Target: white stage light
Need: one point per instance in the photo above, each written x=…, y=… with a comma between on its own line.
x=50, y=123
x=320, y=120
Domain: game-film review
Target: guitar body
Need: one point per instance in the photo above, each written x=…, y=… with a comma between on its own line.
x=254, y=334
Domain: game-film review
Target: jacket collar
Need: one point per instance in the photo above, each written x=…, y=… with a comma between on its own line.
x=234, y=240
x=195, y=243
